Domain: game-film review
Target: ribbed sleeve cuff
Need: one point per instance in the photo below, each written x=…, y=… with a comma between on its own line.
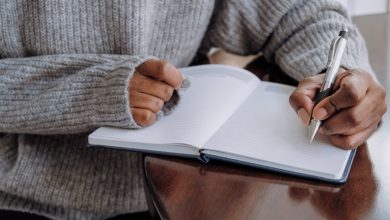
x=314, y=60
x=112, y=97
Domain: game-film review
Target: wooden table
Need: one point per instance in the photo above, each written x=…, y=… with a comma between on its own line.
x=188, y=189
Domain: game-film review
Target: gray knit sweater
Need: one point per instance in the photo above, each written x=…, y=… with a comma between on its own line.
x=65, y=67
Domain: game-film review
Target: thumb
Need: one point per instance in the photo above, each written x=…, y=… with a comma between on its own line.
x=301, y=100
x=162, y=70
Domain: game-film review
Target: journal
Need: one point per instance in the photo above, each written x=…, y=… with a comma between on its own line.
x=229, y=114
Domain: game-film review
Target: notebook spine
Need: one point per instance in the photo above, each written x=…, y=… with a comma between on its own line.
x=203, y=157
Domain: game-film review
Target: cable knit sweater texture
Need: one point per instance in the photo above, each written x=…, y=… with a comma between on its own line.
x=65, y=66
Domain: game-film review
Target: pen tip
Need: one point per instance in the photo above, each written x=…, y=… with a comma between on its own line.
x=313, y=129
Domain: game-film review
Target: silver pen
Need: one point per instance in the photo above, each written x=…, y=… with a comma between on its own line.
x=336, y=52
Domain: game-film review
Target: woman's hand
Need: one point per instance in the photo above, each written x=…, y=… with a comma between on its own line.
x=351, y=114
x=151, y=86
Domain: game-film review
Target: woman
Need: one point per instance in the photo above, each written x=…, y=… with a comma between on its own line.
x=68, y=67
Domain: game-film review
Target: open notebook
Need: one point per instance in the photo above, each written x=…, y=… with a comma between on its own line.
x=229, y=114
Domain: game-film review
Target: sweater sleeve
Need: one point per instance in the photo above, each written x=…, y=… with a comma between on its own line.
x=295, y=34
x=62, y=94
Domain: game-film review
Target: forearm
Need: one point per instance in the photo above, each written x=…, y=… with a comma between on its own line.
x=301, y=41
x=296, y=35
x=65, y=93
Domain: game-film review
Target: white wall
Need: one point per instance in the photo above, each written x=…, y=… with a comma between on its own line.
x=365, y=7
x=345, y=2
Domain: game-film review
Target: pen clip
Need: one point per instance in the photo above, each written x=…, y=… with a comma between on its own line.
x=332, y=52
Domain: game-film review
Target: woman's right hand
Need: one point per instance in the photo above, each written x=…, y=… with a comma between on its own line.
x=152, y=85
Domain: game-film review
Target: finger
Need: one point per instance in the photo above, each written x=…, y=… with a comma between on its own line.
x=162, y=70
x=145, y=101
x=352, y=141
x=301, y=100
x=305, y=91
x=143, y=84
x=304, y=116
x=143, y=117
x=350, y=121
x=351, y=90
x=355, y=119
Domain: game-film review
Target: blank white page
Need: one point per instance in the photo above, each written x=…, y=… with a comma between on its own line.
x=216, y=91
x=265, y=129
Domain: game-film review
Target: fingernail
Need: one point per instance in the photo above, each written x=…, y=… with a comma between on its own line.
x=182, y=80
x=320, y=114
x=304, y=116
x=171, y=68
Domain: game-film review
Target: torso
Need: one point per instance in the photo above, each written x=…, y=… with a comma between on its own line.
x=43, y=27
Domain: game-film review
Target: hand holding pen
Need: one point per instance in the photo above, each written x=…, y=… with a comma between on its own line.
x=349, y=112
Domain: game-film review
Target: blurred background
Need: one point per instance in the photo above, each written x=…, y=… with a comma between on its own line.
x=366, y=7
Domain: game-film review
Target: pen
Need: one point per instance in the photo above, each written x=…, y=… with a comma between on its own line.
x=334, y=59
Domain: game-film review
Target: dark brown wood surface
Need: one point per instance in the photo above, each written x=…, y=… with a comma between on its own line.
x=188, y=189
